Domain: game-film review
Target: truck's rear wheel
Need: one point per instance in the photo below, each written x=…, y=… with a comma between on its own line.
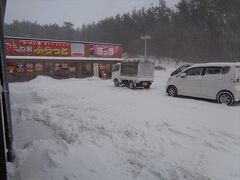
x=131, y=85
x=116, y=83
x=147, y=87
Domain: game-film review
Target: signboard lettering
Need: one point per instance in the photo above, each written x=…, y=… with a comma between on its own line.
x=26, y=47
x=106, y=51
x=16, y=47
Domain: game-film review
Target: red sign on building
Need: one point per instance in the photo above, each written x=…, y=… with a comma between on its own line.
x=17, y=47
x=104, y=51
x=32, y=47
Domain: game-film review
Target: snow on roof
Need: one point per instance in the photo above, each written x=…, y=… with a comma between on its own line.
x=59, y=40
x=61, y=58
x=137, y=60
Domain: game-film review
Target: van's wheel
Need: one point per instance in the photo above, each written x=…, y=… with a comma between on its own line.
x=116, y=83
x=172, y=91
x=225, y=98
x=131, y=85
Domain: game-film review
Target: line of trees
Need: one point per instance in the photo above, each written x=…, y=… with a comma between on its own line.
x=196, y=30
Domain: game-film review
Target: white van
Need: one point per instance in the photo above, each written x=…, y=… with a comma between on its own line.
x=218, y=81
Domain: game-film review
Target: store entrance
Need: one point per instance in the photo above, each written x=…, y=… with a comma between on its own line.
x=105, y=70
x=59, y=70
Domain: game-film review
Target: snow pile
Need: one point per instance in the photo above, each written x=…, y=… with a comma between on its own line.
x=89, y=129
x=57, y=160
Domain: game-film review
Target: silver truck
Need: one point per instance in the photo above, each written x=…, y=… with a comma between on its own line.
x=133, y=73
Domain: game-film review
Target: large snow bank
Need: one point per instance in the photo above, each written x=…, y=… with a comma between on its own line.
x=89, y=129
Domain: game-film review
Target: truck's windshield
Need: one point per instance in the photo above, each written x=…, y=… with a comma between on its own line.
x=116, y=67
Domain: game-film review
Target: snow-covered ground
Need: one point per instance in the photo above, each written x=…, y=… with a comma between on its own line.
x=87, y=129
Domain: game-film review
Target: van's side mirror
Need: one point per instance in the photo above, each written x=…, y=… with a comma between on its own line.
x=183, y=75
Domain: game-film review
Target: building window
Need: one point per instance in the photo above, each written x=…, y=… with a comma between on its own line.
x=85, y=69
x=38, y=67
x=30, y=67
x=20, y=67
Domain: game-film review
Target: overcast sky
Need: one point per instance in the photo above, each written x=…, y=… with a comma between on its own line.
x=75, y=11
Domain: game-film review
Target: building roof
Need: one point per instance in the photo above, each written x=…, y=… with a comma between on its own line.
x=58, y=40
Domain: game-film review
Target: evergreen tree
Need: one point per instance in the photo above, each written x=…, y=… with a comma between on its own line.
x=196, y=30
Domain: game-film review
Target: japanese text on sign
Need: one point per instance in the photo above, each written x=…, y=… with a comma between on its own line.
x=106, y=50
x=36, y=48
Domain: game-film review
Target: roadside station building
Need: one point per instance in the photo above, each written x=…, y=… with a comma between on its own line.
x=28, y=58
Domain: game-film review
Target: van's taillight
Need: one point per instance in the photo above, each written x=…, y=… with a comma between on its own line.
x=237, y=80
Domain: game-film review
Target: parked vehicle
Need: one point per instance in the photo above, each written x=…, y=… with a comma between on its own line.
x=160, y=68
x=218, y=81
x=134, y=73
x=181, y=68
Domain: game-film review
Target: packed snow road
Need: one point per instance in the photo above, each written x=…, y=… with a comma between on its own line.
x=88, y=129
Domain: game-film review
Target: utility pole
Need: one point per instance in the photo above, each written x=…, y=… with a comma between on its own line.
x=145, y=38
x=161, y=3
x=6, y=112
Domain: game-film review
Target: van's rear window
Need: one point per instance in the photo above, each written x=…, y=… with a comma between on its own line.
x=238, y=69
x=226, y=69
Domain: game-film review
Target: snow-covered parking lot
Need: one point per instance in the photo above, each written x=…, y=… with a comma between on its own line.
x=87, y=129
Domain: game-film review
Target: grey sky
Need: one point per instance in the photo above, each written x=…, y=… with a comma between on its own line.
x=75, y=11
